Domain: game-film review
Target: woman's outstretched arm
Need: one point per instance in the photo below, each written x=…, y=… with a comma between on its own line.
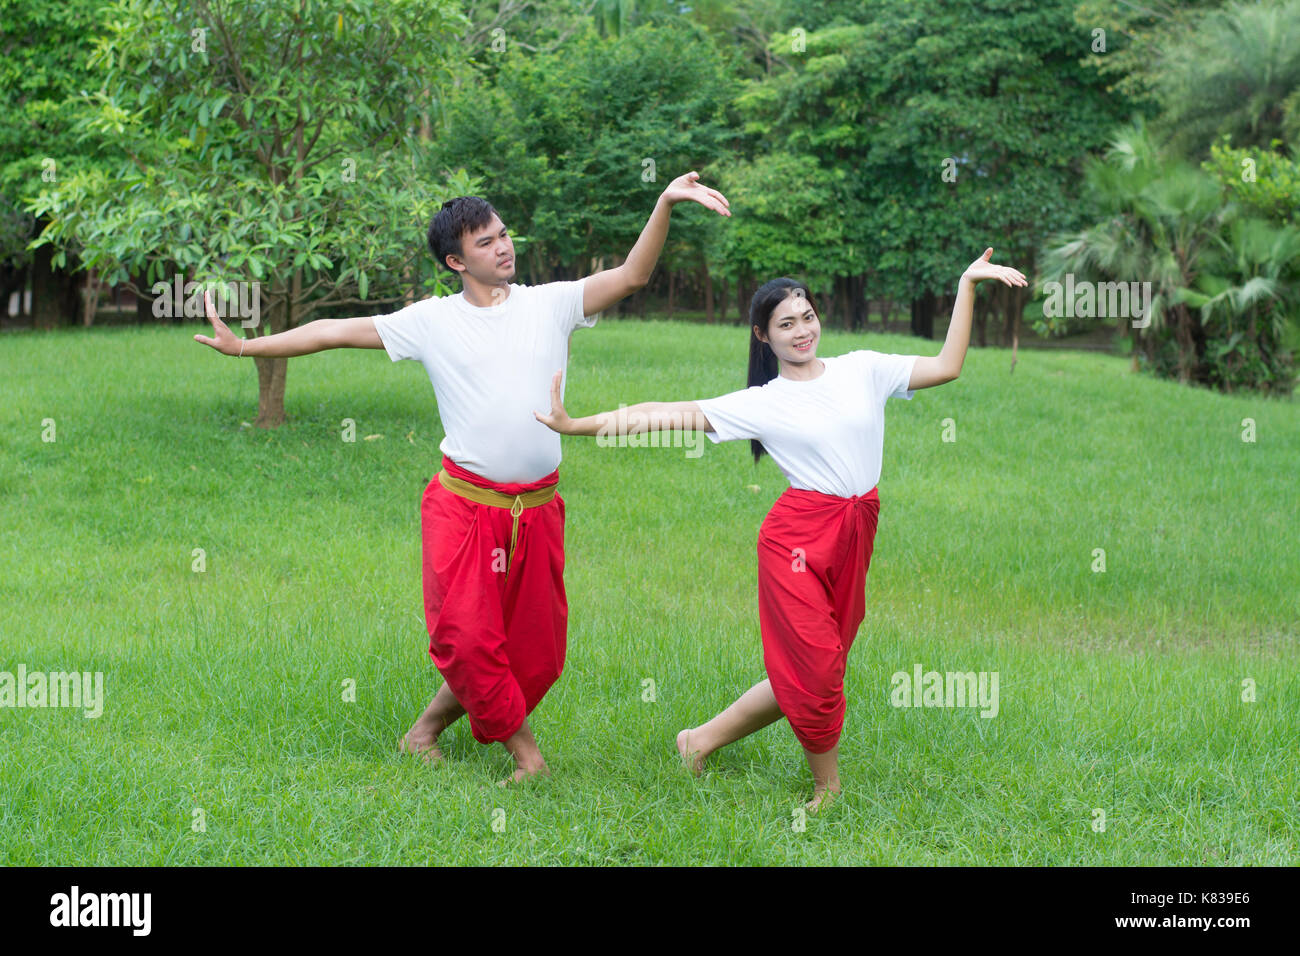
x=627, y=420
x=946, y=366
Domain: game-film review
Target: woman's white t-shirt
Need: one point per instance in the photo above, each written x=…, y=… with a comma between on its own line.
x=826, y=434
x=490, y=368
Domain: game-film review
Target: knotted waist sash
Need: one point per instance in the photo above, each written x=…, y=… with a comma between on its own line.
x=515, y=503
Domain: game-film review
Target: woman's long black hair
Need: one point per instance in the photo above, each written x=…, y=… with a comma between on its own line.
x=763, y=366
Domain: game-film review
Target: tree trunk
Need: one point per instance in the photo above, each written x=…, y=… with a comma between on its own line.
x=54, y=292
x=672, y=291
x=12, y=280
x=1149, y=346
x=1015, y=336
x=410, y=278
x=1135, y=339
x=271, y=372
x=1186, y=351
x=708, y=295
x=1007, y=299
x=90, y=299
x=1196, y=331
x=923, y=309
x=1007, y=305
x=143, y=305
x=857, y=285
x=741, y=299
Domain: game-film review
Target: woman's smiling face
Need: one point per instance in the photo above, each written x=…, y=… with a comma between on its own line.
x=793, y=330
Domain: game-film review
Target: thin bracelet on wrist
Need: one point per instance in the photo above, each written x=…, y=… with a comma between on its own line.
x=241, y=347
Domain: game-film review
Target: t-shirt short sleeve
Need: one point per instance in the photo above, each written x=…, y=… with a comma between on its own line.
x=566, y=304
x=890, y=373
x=405, y=332
x=733, y=416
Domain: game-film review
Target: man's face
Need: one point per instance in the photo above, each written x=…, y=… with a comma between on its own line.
x=488, y=253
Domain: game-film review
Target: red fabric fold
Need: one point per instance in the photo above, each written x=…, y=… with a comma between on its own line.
x=498, y=640
x=813, y=554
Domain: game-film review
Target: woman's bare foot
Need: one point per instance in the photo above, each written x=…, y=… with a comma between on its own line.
x=692, y=760
x=825, y=767
x=822, y=797
x=525, y=773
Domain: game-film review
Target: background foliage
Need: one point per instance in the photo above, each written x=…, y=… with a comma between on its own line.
x=871, y=148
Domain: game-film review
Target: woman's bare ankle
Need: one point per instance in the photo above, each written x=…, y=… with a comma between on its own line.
x=690, y=747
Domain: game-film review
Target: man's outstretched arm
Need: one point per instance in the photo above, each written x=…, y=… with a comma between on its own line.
x=315, y=336
x=607, y=288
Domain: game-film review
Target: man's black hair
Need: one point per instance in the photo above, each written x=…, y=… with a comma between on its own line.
x=457, y=217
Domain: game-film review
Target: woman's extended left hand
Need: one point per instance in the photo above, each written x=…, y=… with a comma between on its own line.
x=558, y=420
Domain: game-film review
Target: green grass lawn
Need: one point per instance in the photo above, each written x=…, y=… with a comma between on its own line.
x=1120, y=691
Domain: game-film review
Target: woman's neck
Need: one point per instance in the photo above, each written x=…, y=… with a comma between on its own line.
x=804, y=371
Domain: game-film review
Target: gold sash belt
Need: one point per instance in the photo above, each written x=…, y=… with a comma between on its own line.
x=497, y=499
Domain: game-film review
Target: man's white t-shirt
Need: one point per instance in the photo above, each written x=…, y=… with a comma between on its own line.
x=826, y=434
x=491, y=368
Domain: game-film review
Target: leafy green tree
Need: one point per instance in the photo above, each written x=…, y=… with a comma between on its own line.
x=788, y=220
x=1266, y=185
x=1128, y=42
x=1213, y=270
x=535, y=26
x=1247, y=290
x=44, y=63
x=271, y=142
x=938, y=129
x=743, y=26
x=1263, y=181
x=1236, y=73
x=617, y=17
x=581, y=140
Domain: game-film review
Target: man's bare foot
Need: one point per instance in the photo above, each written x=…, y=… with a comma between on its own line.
x=525, y=773
x=822, y=797
x=429, y=753
x=692, y=760
x=422, y=740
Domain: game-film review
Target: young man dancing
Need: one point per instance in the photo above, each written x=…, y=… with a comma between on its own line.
x=492, y=520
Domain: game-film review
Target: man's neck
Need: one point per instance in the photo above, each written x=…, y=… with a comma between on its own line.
x=482, y=294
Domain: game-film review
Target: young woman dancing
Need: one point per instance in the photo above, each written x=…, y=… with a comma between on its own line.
x=822, y=421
